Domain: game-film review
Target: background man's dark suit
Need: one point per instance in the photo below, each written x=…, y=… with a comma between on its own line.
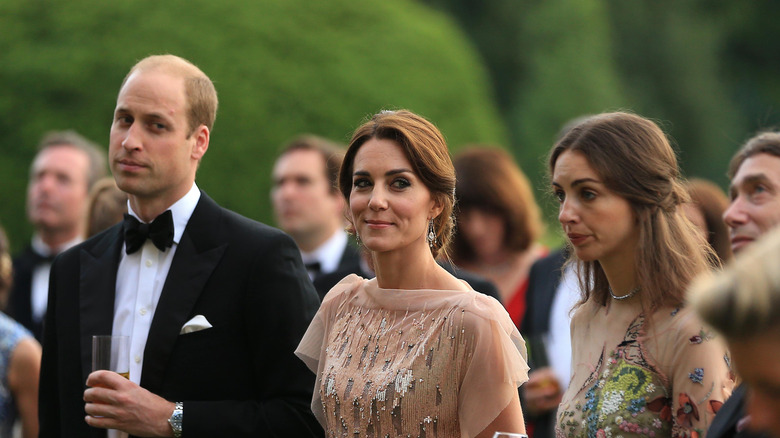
x=725, y=423
x=543, y=281
x=19, y=301
x=348, y=264
x=238, y=378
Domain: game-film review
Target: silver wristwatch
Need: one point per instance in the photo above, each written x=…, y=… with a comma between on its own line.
x=176, y=418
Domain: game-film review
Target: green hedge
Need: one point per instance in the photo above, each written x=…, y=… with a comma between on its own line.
x=280, y=67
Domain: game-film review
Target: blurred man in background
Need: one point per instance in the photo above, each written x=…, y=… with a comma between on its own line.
x=754, y=210
x=61, y=175
x=309, y=207
x=754, y=190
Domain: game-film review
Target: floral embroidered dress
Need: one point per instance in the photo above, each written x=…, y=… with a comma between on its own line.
x=637, y=377
x=418, y=363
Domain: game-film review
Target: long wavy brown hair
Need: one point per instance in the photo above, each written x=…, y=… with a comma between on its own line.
x=635, y=160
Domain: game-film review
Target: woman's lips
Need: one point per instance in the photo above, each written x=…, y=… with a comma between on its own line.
x=378, y=225
x=577, y=239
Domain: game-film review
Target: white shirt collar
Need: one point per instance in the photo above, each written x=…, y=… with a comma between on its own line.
x=329, y=253
x=43, y=249
x=181, y=210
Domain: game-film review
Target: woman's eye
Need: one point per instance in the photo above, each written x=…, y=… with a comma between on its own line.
x=401, y=183
x=588, y=195
x=360, y=183
x=559, y=195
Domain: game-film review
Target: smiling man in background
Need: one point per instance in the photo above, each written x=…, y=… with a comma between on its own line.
x=755, y=210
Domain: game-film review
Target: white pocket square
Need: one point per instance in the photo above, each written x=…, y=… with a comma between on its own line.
x=197, y=323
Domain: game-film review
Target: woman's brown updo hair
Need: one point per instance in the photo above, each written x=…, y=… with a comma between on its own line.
x=426, y=150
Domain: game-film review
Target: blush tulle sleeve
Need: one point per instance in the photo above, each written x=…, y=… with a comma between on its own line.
x=496, y=369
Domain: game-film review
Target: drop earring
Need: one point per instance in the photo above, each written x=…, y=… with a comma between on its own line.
x=431, y=234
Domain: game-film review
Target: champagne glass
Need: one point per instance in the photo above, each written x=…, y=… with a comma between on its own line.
x=509, y=435
x=111, y=353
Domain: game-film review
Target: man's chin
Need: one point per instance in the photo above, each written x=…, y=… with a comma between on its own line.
x=739, y=245
x=46, y=222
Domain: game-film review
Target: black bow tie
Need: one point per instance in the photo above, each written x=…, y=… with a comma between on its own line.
x=160, y=231
x=39, y=259
x=314, y=268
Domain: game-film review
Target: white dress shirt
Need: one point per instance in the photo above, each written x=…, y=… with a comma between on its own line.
x=39, y=286
x=559, y=338
x=328, y=255
x=139, y=282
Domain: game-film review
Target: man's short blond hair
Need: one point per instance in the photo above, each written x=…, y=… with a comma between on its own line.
x=201, y=95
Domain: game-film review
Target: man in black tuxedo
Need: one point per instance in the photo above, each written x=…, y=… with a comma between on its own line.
x=755, y=209
x=65, y=168
x=310, y=208
x=214, y=303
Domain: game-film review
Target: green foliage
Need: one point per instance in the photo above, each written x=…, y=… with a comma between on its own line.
x=551, y=62
x=706, y=71
x=750, y=54
x=281, y=68
x=570, y=74
x=669, y=56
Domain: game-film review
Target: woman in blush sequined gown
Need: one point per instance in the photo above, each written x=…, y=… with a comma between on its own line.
x=414, y=351
x=642, y=364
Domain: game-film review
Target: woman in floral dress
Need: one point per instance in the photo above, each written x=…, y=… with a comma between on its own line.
x=414, y=352
x=642, y=364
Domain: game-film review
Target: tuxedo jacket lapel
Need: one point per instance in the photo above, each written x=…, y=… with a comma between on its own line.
x=197, y=254
x=97, y=291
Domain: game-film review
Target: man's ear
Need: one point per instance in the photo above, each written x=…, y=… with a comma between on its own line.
x=201, y=144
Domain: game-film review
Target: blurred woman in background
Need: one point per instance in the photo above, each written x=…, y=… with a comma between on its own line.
x=708, y=203
x=642, y=364
x=498, y=223
x=106, y=206
x=20, y=362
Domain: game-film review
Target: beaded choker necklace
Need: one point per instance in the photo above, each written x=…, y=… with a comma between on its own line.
x=623, y=297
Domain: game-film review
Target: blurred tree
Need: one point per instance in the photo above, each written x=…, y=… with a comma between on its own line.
x=705, y=70
x=495, y=28
x=750, y=59
x=669, y=54
x=281, y=68
x=551, y=61
x=571, y=73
